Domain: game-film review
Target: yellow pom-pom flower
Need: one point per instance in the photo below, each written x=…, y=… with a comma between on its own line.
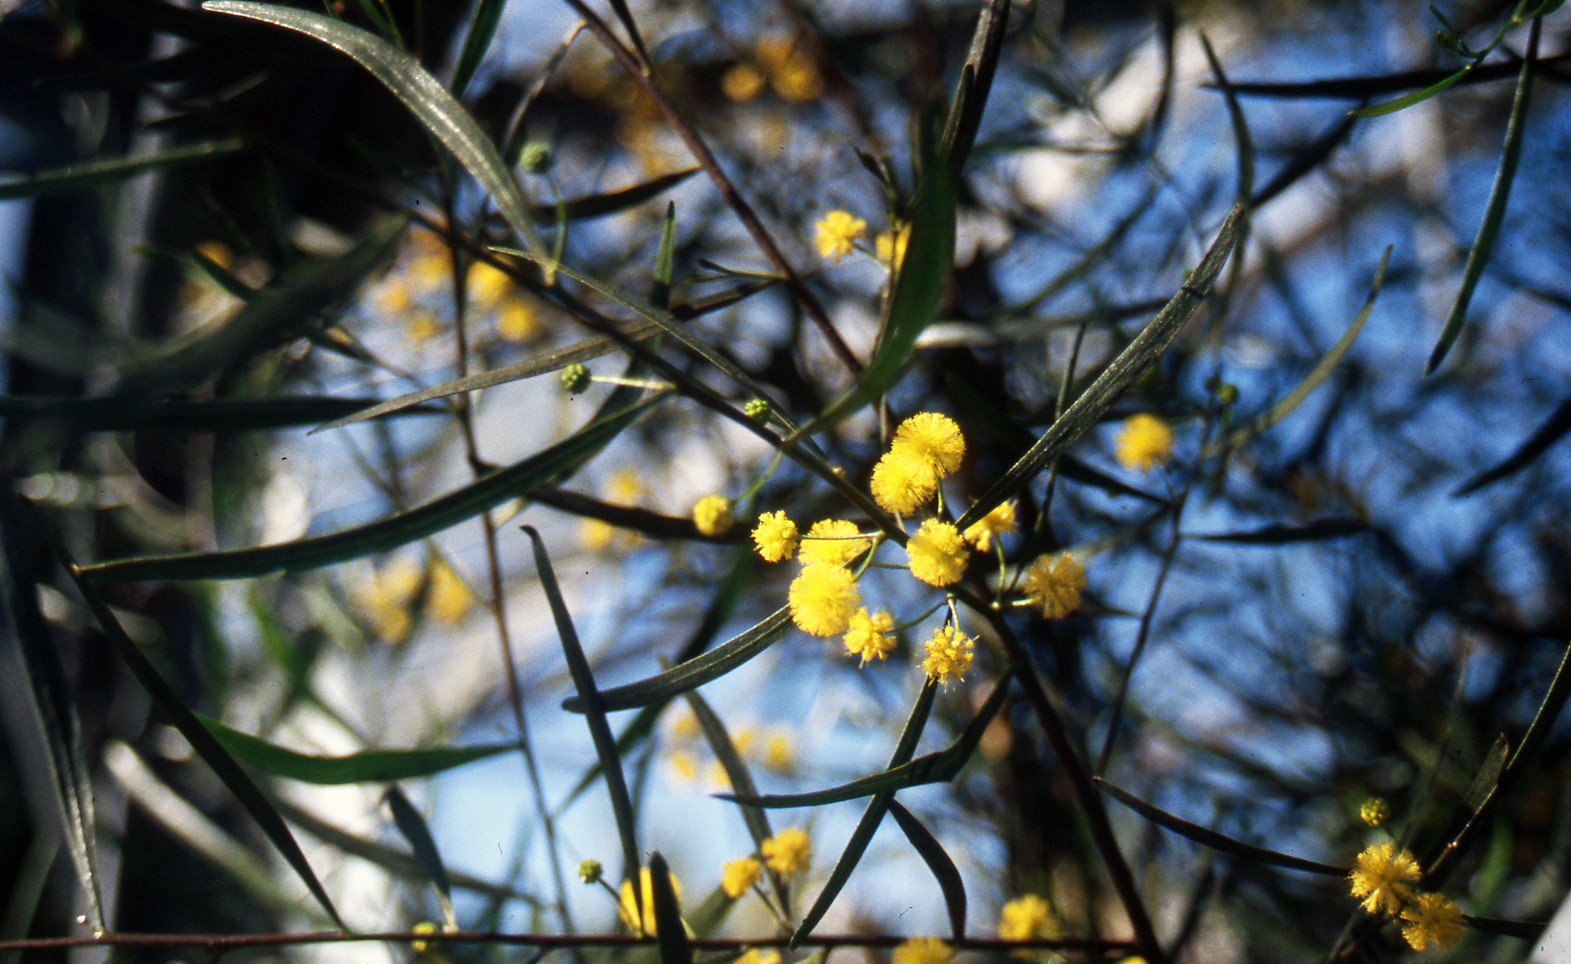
x=833, y=542
x=775, y=536
x=1432, y=919
x=823, y=598
x=788, y=852
x=1054, y=583
x=836, y=233
x=890, y=246
x=712, y=515
x=1027, y=918
x=739, y=875
x=933, y=437
x=628, y=910
x=902, y=480
x=936, y=553
x=755, y=956
x=1384, y=877
x=923, y=950
x=948, y=655
x=996, y=523
x=1143, y=443
x=870, y=637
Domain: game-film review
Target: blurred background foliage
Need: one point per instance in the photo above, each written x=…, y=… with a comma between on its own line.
x=229, y=234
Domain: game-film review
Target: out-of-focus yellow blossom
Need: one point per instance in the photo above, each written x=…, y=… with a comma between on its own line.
x=388, y=598
x=712, y=515
x=684, y=764
x=1026, y=918
x=684, y=726
x=1432, y=919
x=902, y=480
x=823, y=598
x=935, y=438
x=448, y=596
x=936, y=553
x=1374, y=812
x=788, y=852
x=832, y=542
x=422, y=327
x=595, y=534
x=775, y=536
x=792, y=72
x=424, y=927
x=1054, y=583
x=516, y=319
x=779, y=754
x=890, y=246
x=754, y=955
x=870, y=637
x=625, y=486
x=628, y=910
x=948, y=655
x=836, y=234
x=996, y=523
x=488, y=284
x=392, y=296
x=923, y=950
x=742, y=82
x=1143, y=443
x=1384, y=877
x=739, y=875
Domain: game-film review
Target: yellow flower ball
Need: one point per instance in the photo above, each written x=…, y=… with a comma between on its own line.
x=902, y=480
x=948, y=655
x=1054, y=583
x=1384, y=877
x=1432, y=919
x=935, y=438
x=870, y=637
x=1143, y=443
x=836, y=233
x=740, y=875
x=823, y=598
x=1026, y=918
x=996, y=523
x=628, y=910
x=788, y=852
x=775, y=536
x=712, y=515
x=936, y=554
x=833, y=542
x=923, y=950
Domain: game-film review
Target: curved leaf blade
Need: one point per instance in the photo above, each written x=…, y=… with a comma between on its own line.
x=366, y=766
x=108, y=170
x=421, y=93
x=943, y=868
x=542, y=468
x=423, y=846
x=1552, y=431
x=694, y=672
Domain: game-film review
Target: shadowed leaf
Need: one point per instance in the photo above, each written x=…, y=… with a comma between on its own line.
x=1279, y=535
x=93, y=173
x=675, y=948
x=184, y=415
x=423, y=846
x=1549, y=433
x=482, y=27
x=366, y=766
x=944, y=869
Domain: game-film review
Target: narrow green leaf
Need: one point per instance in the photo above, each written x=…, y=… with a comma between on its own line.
x=987, y=42
x=178, y=414
x=1120, y=373
x=1495, y=210
x=665, y=259
x=675, y=948
x=421, y=93
x=1488, y=776
x=594, y=712
x=107, y=171
x=1214, y=840
x=1416, y=97
x=592, y=206
x=695, y=672
x=1552, y=431
x=482, y=28
x=943, y=868
x=871, y=818
x=53, y=705
x=939, y=767
x=423, y=846
x=543, y=468
x=741, y=781
x=366, y=766
x=1316, y=376
x=203, y=742
x=1280, y=535
x=272, y=315
x=1235, y=113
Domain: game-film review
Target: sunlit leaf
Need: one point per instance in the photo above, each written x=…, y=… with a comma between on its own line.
x=366, y=766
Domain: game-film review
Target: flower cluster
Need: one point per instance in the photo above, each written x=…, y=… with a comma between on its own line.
x=836, y=234
x=786, y=854
x=1385, y=878
x=1143, y=443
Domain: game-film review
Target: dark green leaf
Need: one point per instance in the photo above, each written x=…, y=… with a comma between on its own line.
x=423, y=846
x=594, y=712
x=183, y=415
x=1118, y=376
x=1495, y=209
x=611, y=202
x=1549, y=433
x=694, y=672
x=51, y=700
x=944, y=869
x=675, y=948
x=741, y=781
x=204, y=743
x=543, y=468
x=366, y=766
x=482, y=27
x=422, y=94
x=987, y=42
x=107, y=171
x=1280, y=535
x=1214, y=840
